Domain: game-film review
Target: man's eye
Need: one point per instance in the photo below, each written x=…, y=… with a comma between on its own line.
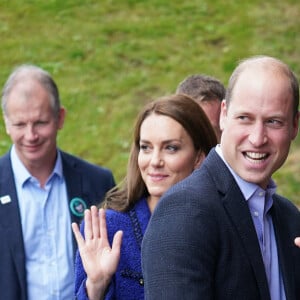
x=41, y=123
x=274, y=122
x=19, y=125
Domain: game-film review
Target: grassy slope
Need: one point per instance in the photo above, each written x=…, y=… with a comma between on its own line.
x=110, y=57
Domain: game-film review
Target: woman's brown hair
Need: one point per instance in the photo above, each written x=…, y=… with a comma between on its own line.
x=185, y=111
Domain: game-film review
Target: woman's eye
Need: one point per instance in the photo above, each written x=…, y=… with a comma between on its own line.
x=144, y=147
x=172, y=148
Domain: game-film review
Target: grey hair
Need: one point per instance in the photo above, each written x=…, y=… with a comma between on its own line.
x=35, y=73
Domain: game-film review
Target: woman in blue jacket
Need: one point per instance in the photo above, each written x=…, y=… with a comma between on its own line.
x=171, y=138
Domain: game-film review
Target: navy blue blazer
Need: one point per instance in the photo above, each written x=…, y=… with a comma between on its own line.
x=84, y=180
x=201, y=242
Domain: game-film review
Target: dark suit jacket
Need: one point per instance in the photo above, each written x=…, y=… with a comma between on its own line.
x=201, y=242
x=83, y=180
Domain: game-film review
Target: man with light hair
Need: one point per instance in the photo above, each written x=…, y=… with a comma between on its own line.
x=42, y=190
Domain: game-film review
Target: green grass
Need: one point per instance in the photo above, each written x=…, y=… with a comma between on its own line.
x=111, y=57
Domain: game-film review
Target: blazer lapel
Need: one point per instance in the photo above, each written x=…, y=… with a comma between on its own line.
x=284, y=247
x=73, y=180
x=238, y=211
x=73, y=183
x=10, y=220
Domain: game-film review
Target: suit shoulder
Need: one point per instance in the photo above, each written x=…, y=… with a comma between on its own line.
x=85, y=165
x=197, y=183
x=285, y=204
x=5, y=158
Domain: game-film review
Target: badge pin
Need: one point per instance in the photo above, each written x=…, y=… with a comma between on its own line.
x=5, y=199
x=78, y=206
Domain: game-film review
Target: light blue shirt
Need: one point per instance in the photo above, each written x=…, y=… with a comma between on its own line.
x=47, y=233
x=260, y=202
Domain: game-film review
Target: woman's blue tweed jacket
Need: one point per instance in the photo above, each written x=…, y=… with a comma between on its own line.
x=127, y=283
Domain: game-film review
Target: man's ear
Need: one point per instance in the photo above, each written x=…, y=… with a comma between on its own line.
x=295, y=125
x=223, y=114
x=61, y=117
x=6, y=123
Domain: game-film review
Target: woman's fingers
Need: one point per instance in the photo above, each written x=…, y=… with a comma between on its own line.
x=79, y=238
x=88, y=231
x=103, y=228
x=95, y=222
x=117, y=241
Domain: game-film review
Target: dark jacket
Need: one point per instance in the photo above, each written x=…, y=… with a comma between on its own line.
x=83, y=180
x=201, y=242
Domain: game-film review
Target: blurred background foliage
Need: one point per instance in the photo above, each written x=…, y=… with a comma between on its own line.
x=110, y=57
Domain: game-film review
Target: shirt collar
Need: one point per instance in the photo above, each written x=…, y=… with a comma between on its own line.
x=21, y=174
x=248, y=189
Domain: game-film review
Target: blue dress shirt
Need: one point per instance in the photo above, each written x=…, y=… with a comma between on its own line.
x=47, y=233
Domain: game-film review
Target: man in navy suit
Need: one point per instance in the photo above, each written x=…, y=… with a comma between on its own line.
x=42, y=190
x=223, y=233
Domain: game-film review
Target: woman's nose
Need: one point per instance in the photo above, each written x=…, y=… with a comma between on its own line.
x=156, y=159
